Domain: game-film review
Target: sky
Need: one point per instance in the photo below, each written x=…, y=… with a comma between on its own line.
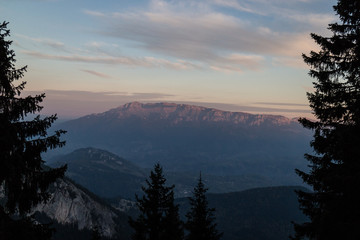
x=239, y=55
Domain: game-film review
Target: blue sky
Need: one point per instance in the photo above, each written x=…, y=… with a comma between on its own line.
x=240, y=55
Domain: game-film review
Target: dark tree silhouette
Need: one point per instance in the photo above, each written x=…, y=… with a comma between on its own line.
x=23, y=179
x=173, y=226
x=159, y=218
x=95, y=233
x=200, y=219
x=333, y=207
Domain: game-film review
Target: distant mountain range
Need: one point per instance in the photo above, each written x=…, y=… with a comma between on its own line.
x=187, y=138
x=175, y=114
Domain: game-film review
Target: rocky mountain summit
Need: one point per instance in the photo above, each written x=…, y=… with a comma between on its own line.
x=177, y=113
x=192, y=138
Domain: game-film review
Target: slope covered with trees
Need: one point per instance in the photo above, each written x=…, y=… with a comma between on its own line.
x=254, y=214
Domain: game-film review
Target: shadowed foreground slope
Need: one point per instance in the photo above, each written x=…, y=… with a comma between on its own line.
x=255, y=214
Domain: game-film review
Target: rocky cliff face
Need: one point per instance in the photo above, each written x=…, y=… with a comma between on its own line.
x=70, y=204
x=177, y=113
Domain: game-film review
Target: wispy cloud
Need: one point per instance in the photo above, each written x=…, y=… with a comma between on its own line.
x=317, y=20
x=283, y=104
x=103, y=96
x=101, y=48
x=209, y=36
x=299, y=11
x=122, y=60
x=190, y=34
x=94, y=13
x=290, y=62
x=234, y=4
x=85, y=102
x=98, y=74
x=278, y=110
x=58, y=45
x=238, y=63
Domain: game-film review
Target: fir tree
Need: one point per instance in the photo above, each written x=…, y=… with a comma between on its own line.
x=200, y=219
x=333, y=207
x=95, y=233
x=159, y=217
x=23, y=179
x=173, y=226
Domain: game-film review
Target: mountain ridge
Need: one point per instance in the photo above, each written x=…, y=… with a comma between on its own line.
x=184, y=113
x=102, y=172
x=187, y=138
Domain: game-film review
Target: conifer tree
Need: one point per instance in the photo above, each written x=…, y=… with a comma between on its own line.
x=95, y=233
x=333, y=207
x=200, y=219
x=23, y=179
x=159, y=217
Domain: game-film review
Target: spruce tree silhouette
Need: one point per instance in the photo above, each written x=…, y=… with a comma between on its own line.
x=200, y=219
x=23, y=179
x=95, y=233
x=159, y=218
x=333, y=207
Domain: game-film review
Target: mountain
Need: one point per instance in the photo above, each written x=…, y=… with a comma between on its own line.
x=109, y=175
x=72, y=205
x=191, y=138
x=102, y=172
x=175, y=114
x=255, y=214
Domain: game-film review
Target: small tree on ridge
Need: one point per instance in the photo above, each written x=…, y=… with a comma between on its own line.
x=159, y=218
x=200, y=219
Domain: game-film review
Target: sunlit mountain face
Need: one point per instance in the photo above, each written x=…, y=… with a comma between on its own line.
x=190, y=138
